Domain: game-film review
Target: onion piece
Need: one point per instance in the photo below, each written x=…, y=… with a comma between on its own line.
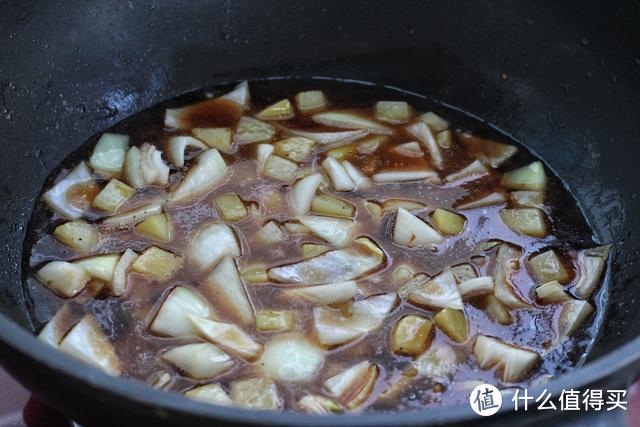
x=263, y=151
x=435, y=122
x=256, y=393
x=108, y=155
x=332, y=266
x=488, y=200
x=472, y=171
x=409, y=149
x=291, y=358
x=224, y=285
x=119, y=282
x=131, y=217
x=552, y=293
x=392, y=205
x=281, y=110
x=507, y=255
x=495, y=309
x=339, y=176
x=489, y=152
x=132, y=168
x=56, y=196
x=274, y=321
x=77, y=234
x=176, y=147
x=228, y=336
x=57, y=327
x=438, y=363
x=100, y=267
x=476, y=287
x=389, y=177
x=210, y=393
x=346, y=120
x=211, y=243
x=527, y=199
x=353, y=386
x=591, y=263
x=412, y=232
x=173, y=317
x=422, y=132
x=303, y=192
x=513, y=362
x=315, y=404
x=336, y=231
x=572, y=315
x=333, y=327
x=358, y=178
x=439, y=292
x=328, y=138
x=199, y=361
x=154, y=169
x=271, y=233
x=240, y=95
x=332, y=293
x=63, y=278
x=204, y=176
x=86, y=342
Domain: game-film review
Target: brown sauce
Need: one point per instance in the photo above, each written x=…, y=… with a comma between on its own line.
x=125, y=320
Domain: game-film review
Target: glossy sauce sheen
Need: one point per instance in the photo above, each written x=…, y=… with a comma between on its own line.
x=125, y=319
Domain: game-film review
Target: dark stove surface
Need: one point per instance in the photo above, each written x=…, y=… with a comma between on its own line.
x=18, y=408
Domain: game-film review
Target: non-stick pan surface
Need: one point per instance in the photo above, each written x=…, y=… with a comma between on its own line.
x=562, y=78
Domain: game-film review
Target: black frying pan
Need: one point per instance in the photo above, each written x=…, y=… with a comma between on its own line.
x=562, y=78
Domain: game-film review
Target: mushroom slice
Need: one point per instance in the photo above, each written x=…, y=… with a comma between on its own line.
x=346, y=120
x=224, y=285
x=173, y=319
x=332, y=266
x=512, y=362
x=353, y=386
x=438, y=363
x=202, y=177
x=56, y=196
x=228, y=336
x=340, y=178
x=63, y=278
x=472, y=171
x=503, y=269
x=476, y=287
x=199, y=361
x=211, y=243
x=591, y=263
x=439, y=292
x=334, y=230
x=281, y=110
x=421, y=131
x=154, y=169
x=240, y=95
x=303, y=192
x=495, y=198
x=530, y=177
x=332, y=293
x=256, y=393
x=177, y=146
x=572, y=315
x=128, y=218
x=210, y=393
x=488, y=152
x=328, y=138
x=315, y=404
x=108, y=155
x=252, y=130
x=390, y=177
x=412, y=232
x=291, y=358
x=57, y=327
x=335, y=327
x=124, y=265
x=86, y=342
x=77, y=234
